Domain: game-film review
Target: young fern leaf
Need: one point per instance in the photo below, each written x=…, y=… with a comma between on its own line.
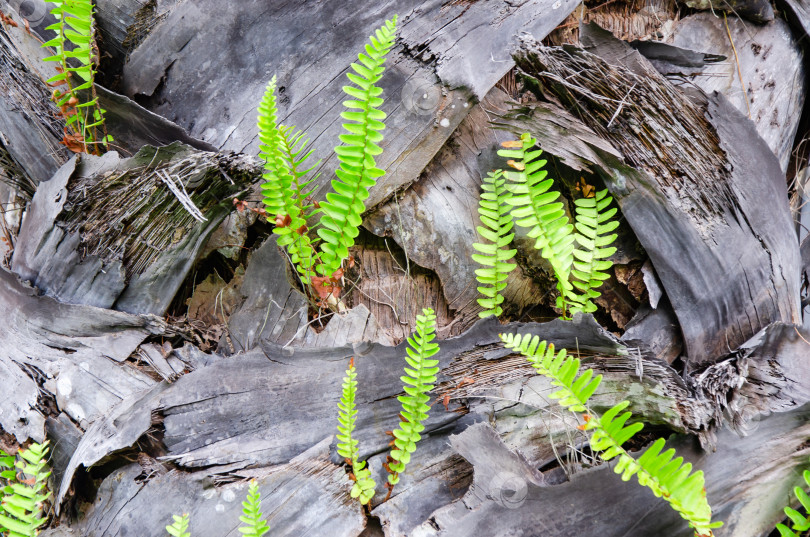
x=77, y=56
x=283, y=150
x=179, y=528
x=668, y=478
x=254, y=525
x=800, y=523
x=25, y=491
x=497, y=224
x=341, y=216
x=277, y=187
x=593, y=224
x=364, y=486
x=417, y=382
x=536, y=207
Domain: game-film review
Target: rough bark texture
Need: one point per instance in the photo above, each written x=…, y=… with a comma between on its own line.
x=148, y=418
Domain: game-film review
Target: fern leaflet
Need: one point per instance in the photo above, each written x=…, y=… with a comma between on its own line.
x=26, y=479
x=364, y=485
x=668, y=478
x=179, y=528
x=77, y=56
x=497, y=224
x=593, y=224
x=252, y=518
x=342, y=210
x=417, y=382
x=800, y=523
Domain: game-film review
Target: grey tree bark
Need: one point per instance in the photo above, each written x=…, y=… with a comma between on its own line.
x=154, y=333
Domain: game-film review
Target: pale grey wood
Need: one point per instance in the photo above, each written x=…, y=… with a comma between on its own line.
x=306, y=496
x=773, y=75
x=53, y=252
x=221, y=79
x=75, y=352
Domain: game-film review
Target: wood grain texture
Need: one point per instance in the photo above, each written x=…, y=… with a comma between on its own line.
x=772, y=90
x=206, y=69
x=72, y=354
x=137, y=499
x=110, y=233
x=735, y=222
x=30, y=129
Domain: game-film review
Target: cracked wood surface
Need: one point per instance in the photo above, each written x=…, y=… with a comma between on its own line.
x=206, y=69
x=734, y=222
x=109, y=232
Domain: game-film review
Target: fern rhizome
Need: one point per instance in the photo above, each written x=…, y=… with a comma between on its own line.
x=318, y=254
x=418, y=381
x=24, y=491
x=668, y=478
x=577, y=253
x=77, y=57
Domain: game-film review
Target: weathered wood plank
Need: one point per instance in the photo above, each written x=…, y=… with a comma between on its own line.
x=72, y=354
x=110, y=232
x=307, y=496
x=221, y=79
x=769, y=59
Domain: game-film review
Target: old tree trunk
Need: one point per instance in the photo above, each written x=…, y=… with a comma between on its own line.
x=168, y=358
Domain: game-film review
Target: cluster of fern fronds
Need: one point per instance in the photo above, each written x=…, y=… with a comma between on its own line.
x=24, y=481
x=77, y=57
x=419, y=379
x=578, y=253
x=253, y=524
x=318, y=253
x=668, y=478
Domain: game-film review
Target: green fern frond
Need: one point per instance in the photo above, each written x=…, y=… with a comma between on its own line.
x=283, y=150
x=535, y=207
x=25, y=491
x=277, y=187
x=494, y=256
x=179, y=528
x=668, y=478
x=417, y=382
x=593, y=224
x=254, y=525
x=77, y=56
x=364, y=486
x=800, y=523
x=342, y=210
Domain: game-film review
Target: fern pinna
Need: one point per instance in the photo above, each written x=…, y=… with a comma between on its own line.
x=494, y=254
x=418, y=380
x=283, y=150
x=800, y=523
x=284, y=189
x=364, y=485
x=25, y=479
x=668, y=478
x=77, y=56
x=342, y=210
